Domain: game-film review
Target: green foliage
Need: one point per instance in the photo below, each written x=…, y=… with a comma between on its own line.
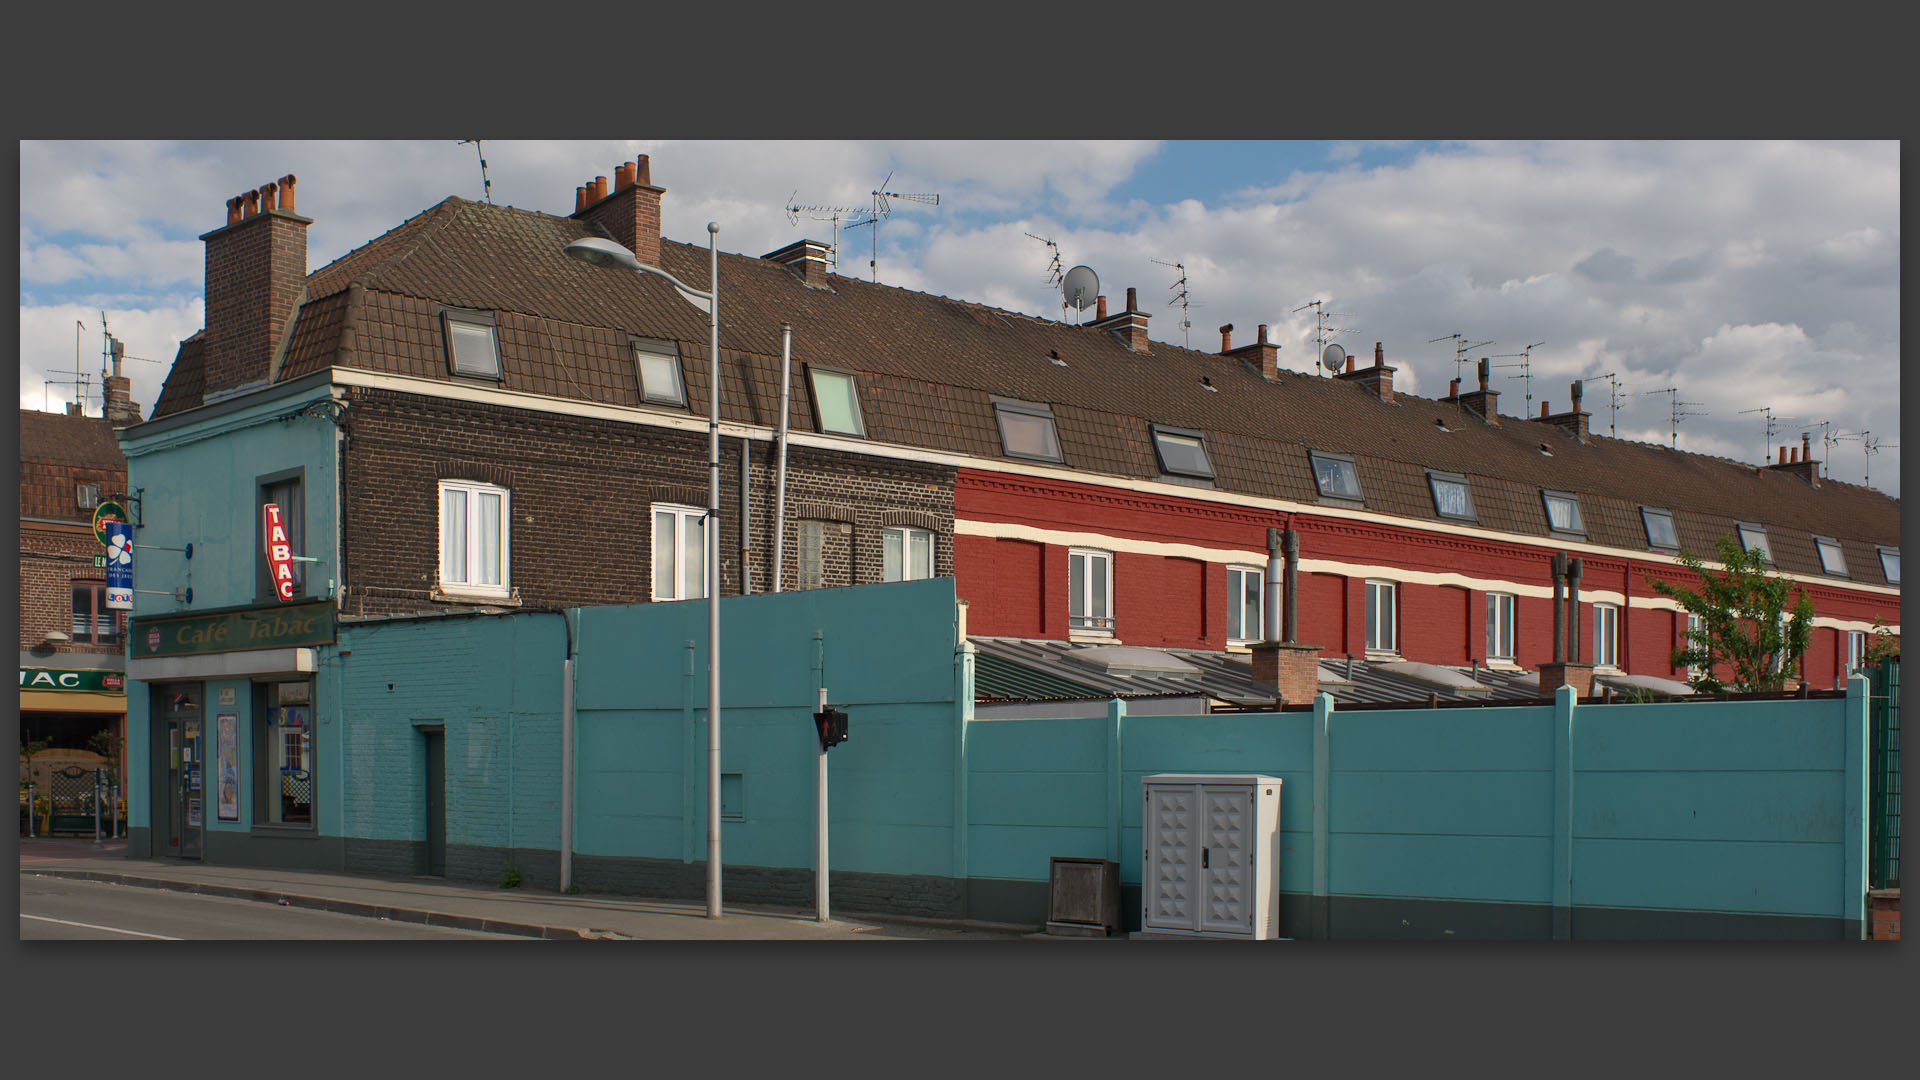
x=1747, y=624
x=510, y=879
x=1882, y=644
x=572, y=890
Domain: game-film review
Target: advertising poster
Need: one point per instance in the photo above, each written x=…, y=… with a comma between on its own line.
x=226, y=760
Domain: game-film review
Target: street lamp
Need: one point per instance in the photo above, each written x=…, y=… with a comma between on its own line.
x=603, y=252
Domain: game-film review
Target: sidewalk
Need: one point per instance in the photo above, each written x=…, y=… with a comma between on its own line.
x=522, y=912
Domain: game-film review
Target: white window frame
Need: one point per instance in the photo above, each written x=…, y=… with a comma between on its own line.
x=1080, y=562
x=1027, y=412
x=473, y=490
x=1856, y=651
x=1742, y=529
x=814, y=377
x=1382, y=634
x=681, y=516
x=86, y=494
x=1252, y=628
x=1315, y=458
x=1186, y=438
x=1548, y=498
x=1694, y=623
x=1649, y=514
x=1500, y=612
x=906, y=535
x=471, y=320
x=1459, y=480
x=1606, y=647
x=1822, y=545
x=674, y=396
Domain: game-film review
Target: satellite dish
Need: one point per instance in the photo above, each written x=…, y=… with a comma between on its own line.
x=1334, y=357
x=1081, y=287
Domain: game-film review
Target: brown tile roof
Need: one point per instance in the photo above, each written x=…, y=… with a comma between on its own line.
x=186, y=380
x=80, y=441
x=928, y=366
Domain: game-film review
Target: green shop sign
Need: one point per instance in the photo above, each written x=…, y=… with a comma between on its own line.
x=99, y=682
x=233, y=631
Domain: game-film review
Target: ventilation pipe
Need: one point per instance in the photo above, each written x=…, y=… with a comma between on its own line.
x=1573, y=611
x=1559, y=607
x=1270, y=621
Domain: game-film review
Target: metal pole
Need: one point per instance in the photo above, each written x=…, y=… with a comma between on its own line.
x=116, y=809
x=33, y=809
x=780, y=484
x=566, y=774
x=746, y=517
x=96, y=808
x=820, y=826
x=713, y=572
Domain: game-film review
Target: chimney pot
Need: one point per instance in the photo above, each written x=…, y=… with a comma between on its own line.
x=1578, y=390
x=1783, y=455
x=1453, y=388
x=269, y=196
x=1130, y=303
x=579, y=199
x=1486, y=366
x=619, y=176
x=286, y=192
x=1379, y=355
x=1226, y=338
x=599, y=188
x=233, y=210
x=1349, y=361
x=1806, y=448
x=1543, y=410
x=1100, y=307
x=642, y=171
x=1263, y=333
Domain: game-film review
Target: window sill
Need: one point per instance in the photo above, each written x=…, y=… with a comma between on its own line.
x=1501, y=664
x=492, y=599
x=1093, y=637
x=1241, y=646
x=1381, y=655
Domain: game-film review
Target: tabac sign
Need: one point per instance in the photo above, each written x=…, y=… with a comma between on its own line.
x=233, y=631
x=279, y=551
x=109, y=682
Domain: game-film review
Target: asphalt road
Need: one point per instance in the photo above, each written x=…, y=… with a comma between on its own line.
x=73, y=910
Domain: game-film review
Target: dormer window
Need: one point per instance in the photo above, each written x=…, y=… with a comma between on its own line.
x=1754, y=538
x=1182, y=453
x=1450, y=496
x=1026, y=430
x=1563, y=513
x=1659, y=525
x=1831, y=561
x=658, y=365
x=1334, y=476
x=1890, y=564
x=836, y=402
x=87, y=495
x=471, y=348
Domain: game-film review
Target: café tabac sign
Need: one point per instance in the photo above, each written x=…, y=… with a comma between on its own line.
x=233, y=631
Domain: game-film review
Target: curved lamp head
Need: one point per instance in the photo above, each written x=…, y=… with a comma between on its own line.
x=603, y=252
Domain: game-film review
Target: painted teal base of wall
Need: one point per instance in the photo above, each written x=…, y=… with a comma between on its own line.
x=887, y=894
x=1355, y=918
x=393, y=858
x=139, y=843
x=304, y=851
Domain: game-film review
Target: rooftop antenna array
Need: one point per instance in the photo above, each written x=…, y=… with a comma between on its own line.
x=1180, y=297
x=1526, y=371
x=1773, y=422
x=1054, y=273
x=883, y=209
x=1321, y=330
x=1613, y=401
x=486, y=185
x=1461, y=347
x=1869, y=446
x=829, y=213
x=1675, y=410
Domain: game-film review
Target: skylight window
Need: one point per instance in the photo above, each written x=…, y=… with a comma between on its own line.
x=1026, y=430
x=1334, y=476
x=1754, y=538
x=1182, y=453
x=1563, y=512
x=658, y=364
x=1450, y=496
x=836, y=402
x=1831, y=560
x=471, y=349
x=1890, y=564
x=1659, y=524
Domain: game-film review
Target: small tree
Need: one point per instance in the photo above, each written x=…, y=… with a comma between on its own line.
x=1745, y=622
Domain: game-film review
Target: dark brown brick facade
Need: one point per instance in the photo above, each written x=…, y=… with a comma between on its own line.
x=582, y=489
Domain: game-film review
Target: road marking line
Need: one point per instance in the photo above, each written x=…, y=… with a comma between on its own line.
x=108, y=929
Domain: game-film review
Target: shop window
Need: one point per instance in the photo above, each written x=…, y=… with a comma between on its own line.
x=285, y=775
x=475, y=541
x=679, y=553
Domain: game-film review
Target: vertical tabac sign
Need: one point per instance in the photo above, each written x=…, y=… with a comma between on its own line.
x=279, y=551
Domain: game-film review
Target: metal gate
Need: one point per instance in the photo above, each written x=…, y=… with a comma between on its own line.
x=76, y=800
x=1883, y=851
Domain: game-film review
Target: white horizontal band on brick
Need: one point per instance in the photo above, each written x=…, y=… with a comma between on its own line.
x=651, y=418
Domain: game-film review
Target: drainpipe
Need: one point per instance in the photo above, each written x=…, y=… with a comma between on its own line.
x=746, y=523
x=780, y=482
x=1559, y=607
x=566, y=759
x=1271, y=623
x=1573, y=611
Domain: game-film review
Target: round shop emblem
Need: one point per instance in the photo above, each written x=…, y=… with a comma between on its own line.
x=153, y=640
x=103, y=513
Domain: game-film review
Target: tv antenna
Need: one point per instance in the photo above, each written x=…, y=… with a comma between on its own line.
x=1526, y=371
x=486, y=185
x=828, y=213
x=1461, y=347
x=1054, y=273
x=883, y=209
x=1321, y=330
x=1675, y=410
x=1773, y=422
x=1181, y=297
x=1613, y=401
x=1869, y=447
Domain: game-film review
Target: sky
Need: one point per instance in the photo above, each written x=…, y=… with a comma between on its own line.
x=1731, y=282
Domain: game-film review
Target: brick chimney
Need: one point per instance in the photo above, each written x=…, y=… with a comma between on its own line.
x=1483, y=402
x=1130, y=326
x=1377, y=380
x=629, y=210
x=1262, y=355
x=1800, y=463
x=256, y=274
x=117, y=392
x=1573, y=421
x=806, y=258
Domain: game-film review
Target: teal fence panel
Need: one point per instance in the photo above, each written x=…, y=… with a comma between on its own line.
x=1884, y=765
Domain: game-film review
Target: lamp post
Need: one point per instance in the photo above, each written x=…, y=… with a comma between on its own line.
x=603, y=252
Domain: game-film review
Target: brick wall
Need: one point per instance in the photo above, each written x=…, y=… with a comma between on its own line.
x=52, y=559
x=1883, y=915
x=256, y=270
x=581, y=491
